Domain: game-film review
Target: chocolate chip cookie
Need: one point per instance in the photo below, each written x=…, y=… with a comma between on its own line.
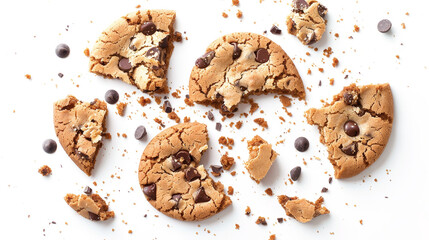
x=355, y=127
x=172, y=179
x=261, y=157
x=307, y=21
x=136, y=49
x=91, y=206
x=238, y=65
x=301, y=209
x=79, y=127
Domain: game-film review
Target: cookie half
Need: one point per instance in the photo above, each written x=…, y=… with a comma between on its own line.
x=79, y=127
x=136, y=49
x=172, y=179
x=241, y=64
x=355, y=127
x=302, y=209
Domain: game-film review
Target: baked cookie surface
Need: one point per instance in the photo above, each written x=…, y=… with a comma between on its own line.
x=92, y=206
x=301, y=209
x=136, y=49
x=355, y=127
x=79, y=127
x=261, y=157
x=172, y=179
x=240, y=64
x=307, y=21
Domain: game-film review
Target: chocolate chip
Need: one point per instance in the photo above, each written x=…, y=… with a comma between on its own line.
x=280, y=220
x=224, y=108
x=350, y=98
x=124, y=64
x=322, y=10
x=111, y=96
x=167, y=107
x=210, y=115
x=62, y=50
x=275, y=30
x=262, y=55
x=148, y=28
x=150, y=191
x=60, y=75
x=140, y=132
x=184, y=155
x=330, y=180
x=93, y=216
x=384, y=26
x=300, y=4
x=301, y=144
x=295, y=173
x=216, y=168
x=176, y=198
x=201, y=196
x=351, y=149
x=49, y=146
x=87, y=190
x=243, y=89
x=204, y=61
x=133, y=47
x=324, y=190
x=191, y=174
x=176, y=165
x=351, y=128
x=236, y=53
x=218, y=126
x=164, y=42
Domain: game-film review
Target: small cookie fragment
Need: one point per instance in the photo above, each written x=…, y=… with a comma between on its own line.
x=261, y=157
x=121, y=108
x=301, y=209
x=226, y=161
x=92, y=206
x=45, y=170
x=261, y=220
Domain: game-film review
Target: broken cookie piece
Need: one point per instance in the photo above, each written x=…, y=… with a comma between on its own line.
x=79, y=127
x=307, y=21
x=92, y=206
x=355, y=127
x=136, y=49
x=261, y=157
x=301, y=209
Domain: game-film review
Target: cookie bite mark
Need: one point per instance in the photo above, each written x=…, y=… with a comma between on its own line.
x=307, y=21
x=136, y=49
x=355, y=127
x=261, y=157
x=172, y=179
x=91, y=206
x=241, y=64
x=301, y=209
x=79, y=127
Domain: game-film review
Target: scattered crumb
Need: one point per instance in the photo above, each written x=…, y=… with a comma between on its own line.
x=138, y=6
x=261, y=122
x=158, y=100
x=230, y=190
x=86, y=52
x=173, y=116
x=335, y=62
x=224, y=15
x=177, y=37
x=226, y=161
x=331, y=81
x=228, y=142
x=269, y=192
x=159, y=121
x=253, y=106
x=356, y=28
x=403, y=25
x=124, y=135
x=237, y=226
x=321, y=70
x=361, y=222
x=186, y=119
x=238, y=124
x=247, y=211
x=272, y=237
x=130, y=231
x=121, y=108
x=235, y=2
x=45, y=170
x=327, y=52
x=336, y=35
x=240, y=14
x=261, y=220
x=233, y=173
x=189, y=102
x=28, y=76
x=144, y=101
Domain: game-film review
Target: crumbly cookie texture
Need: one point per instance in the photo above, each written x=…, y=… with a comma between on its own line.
x=355, y=127
x=79, y=127
x=261, y=157
x=92, y=207
x=136, y=49
x=238, y=65
x=172, y=179
x=307, y=21
x=301, y=209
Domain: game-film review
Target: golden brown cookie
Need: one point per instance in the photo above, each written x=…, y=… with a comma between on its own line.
x=355, y=127
x=238, y=65
x=92, y=206
x=172, y=179
x=261, y=157
x=79, y=127
x=301, y=209
x=136, y=49
x=307, y=21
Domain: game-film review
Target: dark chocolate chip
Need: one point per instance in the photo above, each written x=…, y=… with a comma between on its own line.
x=324, y=190
x=87, y=190
x=140, y=132
x=164, y=42
x=280, y=220
x=262, y=55
x=218, y=126
x=236, y=52
x=191, y=174
x=93, y=216
x=175, y=164
x=384, y=26
x=60, y=75
x=204, y=61
x=49, y=146
x=275, y=30
x=330, y=180
x=125, y=65
x=148, y=28
x=301, y=144
x=154, y=53
x=351, y=128
x=176, y=198
x=351, y=149
x=322, y=10
x=62, y=50
x=133, y=47
x=184, y=155
x=300, y=4
x=167, y=107
x=216, y=168
x=224, y=108
x=210, y=115
x=201, y=196
x=243, y=89
x=150, y=191
x=111, y=96
x=295, y=173
x=350, y=98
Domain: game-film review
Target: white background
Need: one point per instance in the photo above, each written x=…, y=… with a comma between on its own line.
x=29, y=202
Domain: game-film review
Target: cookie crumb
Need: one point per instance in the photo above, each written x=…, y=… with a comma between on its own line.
x=233, y=173
x=237, y=226
x=45, y=170
x=121, y=108
x=335, y=62
x=235, y=2
x=272, y=237
x=224, y=15
x=239, y=14
x=356, y=28
x=28, y=76
x=331, y=81
x=186, y=119
x=86, y=52
x=189, y=102
x=361, y=222
x=228, y=142
x=230, y=190
x=269, y=192
x=130, y=231
x=144, y=101
x=261, y=122
x=261, y=220
x=226, y=161
x=327, y=52
x=247, y=211
x=177, y=37
x=238, y=124
x=253, y=106
x=173, y=116
x=138, y=6
x=403, y=25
